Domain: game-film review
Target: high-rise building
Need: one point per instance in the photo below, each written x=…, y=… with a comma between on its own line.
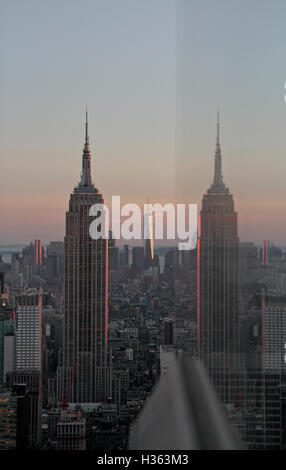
x=14, y=418
x=1, y=283
x=172, y=258
x=265, y=253
x=29, y=330
x=9, y=350
x=8, y=421
x=149, y=239
x=218, y=297
x=138, y=258
x=113, y=253
x=55, y=259
x=85, y=297
x=265, y=409
x=7, y=335
x=126, y=255
x=274, y=332
x=31, y=382
x=269, y=253
x=38, y=255
x=248, y=261
x=168, y=331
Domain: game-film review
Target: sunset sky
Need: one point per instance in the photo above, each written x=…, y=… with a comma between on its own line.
x=152, y=73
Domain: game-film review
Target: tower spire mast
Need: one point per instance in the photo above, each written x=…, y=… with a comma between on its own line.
x=218, y=184
x=86, y=179
x=86, y=127
x=217, y=129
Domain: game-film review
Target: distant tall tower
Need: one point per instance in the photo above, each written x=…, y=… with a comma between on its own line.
x=38, y=255
x=265, y=252
x=85, y=370
x=149, y=237
x=218, y=302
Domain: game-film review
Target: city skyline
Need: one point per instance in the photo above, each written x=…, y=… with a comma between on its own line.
x=157, y=142
x=106, y=327
x=143, y=275
x=121, y=242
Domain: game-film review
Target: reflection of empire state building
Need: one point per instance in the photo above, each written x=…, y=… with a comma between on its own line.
x=218, y=302
x=85, y=373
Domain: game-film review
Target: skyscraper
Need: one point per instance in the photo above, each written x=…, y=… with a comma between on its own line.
x=265, y=252
x=218, y=301
x=113, y=253
x=30, y=417
x=127, y=255
x=149, y=242
x=85, y=371
x=29, y=331
x=7, y=335
x=168, y=331
x=274, y=331
x=138, y=258
x=38, y=255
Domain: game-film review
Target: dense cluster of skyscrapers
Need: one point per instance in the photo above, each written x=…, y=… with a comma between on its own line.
x=83, y=324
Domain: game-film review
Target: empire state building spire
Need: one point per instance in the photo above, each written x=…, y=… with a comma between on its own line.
x=218, y=286
x=86, y=179
x=85, y=339
x=218, y=185
x=86, y=128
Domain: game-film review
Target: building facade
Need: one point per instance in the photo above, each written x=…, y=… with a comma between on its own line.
x=30, y=381
x=149, y=239
x=274, y=332
x=71, y=431
x=85, y=372
x=218, y=293
x=29, y=331
x=7, y=341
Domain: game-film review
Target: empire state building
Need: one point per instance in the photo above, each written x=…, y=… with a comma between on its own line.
x=85, y=373
x=218, y=295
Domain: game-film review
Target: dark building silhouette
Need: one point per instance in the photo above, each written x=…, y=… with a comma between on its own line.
x=138, y=256
x=1, y=283
x=248, y=260
x=149, y=242
x=55, y=259
x=172, y=258
x=85, y=372
x=218, y=298
x=7, y=334
x=113, y=253
x=27, y=384
x=126, y=258
x=38, y=255
x=274, y=332
x=168, y=331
